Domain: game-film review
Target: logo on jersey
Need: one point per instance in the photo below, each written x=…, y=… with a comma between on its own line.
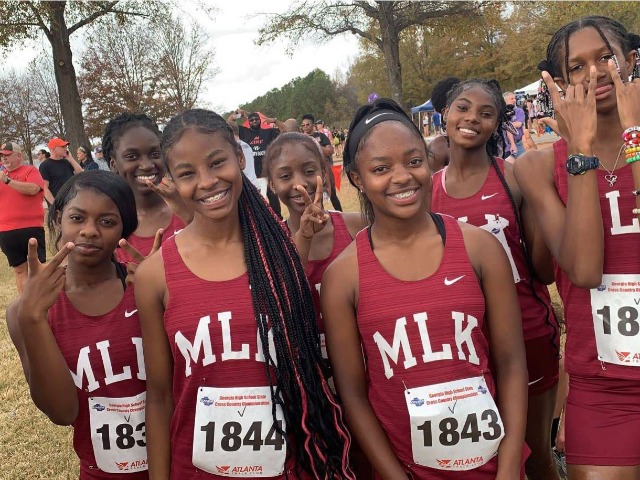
x=487, y=197
x=98, y=407
x=128, y=313
x=448, y=282
x=207, y=401
x=418, y=402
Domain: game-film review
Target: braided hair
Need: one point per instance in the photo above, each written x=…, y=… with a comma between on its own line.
x=558, y=66
x=117, y=127
x=495, y=142
x=284, y=308
x=440, y=91
x=351, y=149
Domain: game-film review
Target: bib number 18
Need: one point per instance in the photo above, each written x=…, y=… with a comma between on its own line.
x=232, y=439
x=449, y=433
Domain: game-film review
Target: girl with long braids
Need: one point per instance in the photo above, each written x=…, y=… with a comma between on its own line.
x=422, y=321
x=131, y=145
x=582, y=194
x=235, y=380
x=77, y=331
x=479, y=188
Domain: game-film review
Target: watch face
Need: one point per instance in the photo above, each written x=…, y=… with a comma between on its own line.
x=574, y=164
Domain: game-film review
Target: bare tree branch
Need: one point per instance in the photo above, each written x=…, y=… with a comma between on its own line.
x=97, y=14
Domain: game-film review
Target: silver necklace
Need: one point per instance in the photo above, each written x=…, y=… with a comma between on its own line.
x=610, y=177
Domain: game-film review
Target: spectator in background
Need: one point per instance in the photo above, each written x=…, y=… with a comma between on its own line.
x=439, y=146
x=22, y=215
x=57, y=169
x=248, y=168
x=85, y=159
x=517, y=118
x=102, y=162
x=436, y=120
x=319, y=126
x=41, y=156
x=291, y=125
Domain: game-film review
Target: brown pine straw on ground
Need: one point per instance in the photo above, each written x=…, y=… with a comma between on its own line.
x=31, y=447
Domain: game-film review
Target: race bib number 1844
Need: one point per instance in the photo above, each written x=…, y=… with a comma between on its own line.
x=615, y=306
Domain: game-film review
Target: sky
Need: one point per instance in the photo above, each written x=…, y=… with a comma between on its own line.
x=245, y=69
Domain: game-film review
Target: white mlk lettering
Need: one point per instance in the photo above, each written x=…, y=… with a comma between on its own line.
x=400, y=340
x=616, y=224
x=227, y=348
x=84, y=369
x=429, y=355
x=202, y=340
x=108, y=368
x=142, y=373
x=464, y=336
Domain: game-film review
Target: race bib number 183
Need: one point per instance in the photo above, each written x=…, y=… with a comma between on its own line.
x=235, y=435
x=615, y=307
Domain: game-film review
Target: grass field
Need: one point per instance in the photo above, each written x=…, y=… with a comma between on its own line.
x=31, y=447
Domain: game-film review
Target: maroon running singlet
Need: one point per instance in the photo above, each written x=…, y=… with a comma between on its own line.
x=145, y=244
x=104, y=355
x=428, y=364
x=222, y=424
x=491, y=210
x=603, y=333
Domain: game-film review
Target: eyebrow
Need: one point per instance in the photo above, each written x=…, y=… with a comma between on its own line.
x=463, y=99
x=211, y=154
x=80, y=210
x=406, y=152
x=598, y=51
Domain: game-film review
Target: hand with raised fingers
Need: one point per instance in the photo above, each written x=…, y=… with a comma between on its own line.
x=314, y=217
x=137, y=256
x=44, y=283
x=628, y=98
x=167, y=190
x=576, y=112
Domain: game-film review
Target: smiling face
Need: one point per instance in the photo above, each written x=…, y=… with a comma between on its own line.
x=296, y=165
x=92, y=222
x=472, y=117
x=137, y=158
x=206, y=171
x=587, y=48
x=392, y=170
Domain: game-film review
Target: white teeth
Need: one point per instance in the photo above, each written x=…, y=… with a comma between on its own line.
x=215, y=198
x=144, y=178
x=466, y=130
x=404, y=194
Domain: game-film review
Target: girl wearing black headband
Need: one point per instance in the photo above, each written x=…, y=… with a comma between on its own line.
x=438, y=392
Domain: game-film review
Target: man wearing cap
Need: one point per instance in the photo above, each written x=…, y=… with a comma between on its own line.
x=21, y=215
x=322, y=129
x=98, y=157
x=259, y=139
x=57, y=169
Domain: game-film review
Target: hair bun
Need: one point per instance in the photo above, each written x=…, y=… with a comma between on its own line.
x=544, y=66
x=634, y=40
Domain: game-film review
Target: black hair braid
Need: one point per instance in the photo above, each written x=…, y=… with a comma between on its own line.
x=527, y=258
x=118, y=125
x=283, y=307
x=440, y=91
x=560, y=41
x=493, y=148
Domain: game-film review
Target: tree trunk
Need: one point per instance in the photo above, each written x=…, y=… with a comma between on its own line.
x=70, y=103
x=391, y=49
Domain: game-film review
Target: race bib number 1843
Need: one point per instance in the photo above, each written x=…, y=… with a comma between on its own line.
x=235, y=435
x=615, y=307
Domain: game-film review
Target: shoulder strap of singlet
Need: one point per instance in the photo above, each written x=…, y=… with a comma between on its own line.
x=437, y=219
x=121, y=272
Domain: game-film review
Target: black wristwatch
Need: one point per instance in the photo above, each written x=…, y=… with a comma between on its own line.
x=578, y=164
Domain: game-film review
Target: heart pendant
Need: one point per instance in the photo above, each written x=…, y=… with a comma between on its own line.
x=611, y=178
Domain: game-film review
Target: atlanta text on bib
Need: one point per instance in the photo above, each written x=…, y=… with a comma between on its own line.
x=615, y=306
x=235, y=435
x=454, y=425
x=118, y=433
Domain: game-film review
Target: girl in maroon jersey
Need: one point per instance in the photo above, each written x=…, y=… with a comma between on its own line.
x=77, y=332
x=235, y=380
x=480, y=189
x=584, y=206
x=131, y=144
x=441, y=387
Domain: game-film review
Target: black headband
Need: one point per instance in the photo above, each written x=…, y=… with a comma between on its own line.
x=370, y=121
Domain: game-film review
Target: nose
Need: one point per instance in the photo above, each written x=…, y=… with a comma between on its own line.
x=401, y=175
x=207, y=179
x=89, y=229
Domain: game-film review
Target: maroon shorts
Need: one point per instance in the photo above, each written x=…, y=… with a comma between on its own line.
x=602, y=422
x=542, y=364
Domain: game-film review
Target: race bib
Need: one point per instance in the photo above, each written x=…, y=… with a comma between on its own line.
x=118, y=433
x=234, y=433
x=454, y=425
x=615, y=307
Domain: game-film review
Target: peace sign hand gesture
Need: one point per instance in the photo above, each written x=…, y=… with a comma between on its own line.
x=628, y=98
x=314, y=217
x=576, y=112
x=137, y=256
x=44, y=283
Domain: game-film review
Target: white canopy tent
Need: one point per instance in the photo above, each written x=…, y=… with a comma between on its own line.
x=531, y=89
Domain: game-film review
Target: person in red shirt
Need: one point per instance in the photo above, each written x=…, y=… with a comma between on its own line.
x=22, y=214
x=422, y=321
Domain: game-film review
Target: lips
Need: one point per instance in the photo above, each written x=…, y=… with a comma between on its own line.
x=147, y=176
x=603, y=89
x=87, y=248
x=468, y=131
x=213, y=199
